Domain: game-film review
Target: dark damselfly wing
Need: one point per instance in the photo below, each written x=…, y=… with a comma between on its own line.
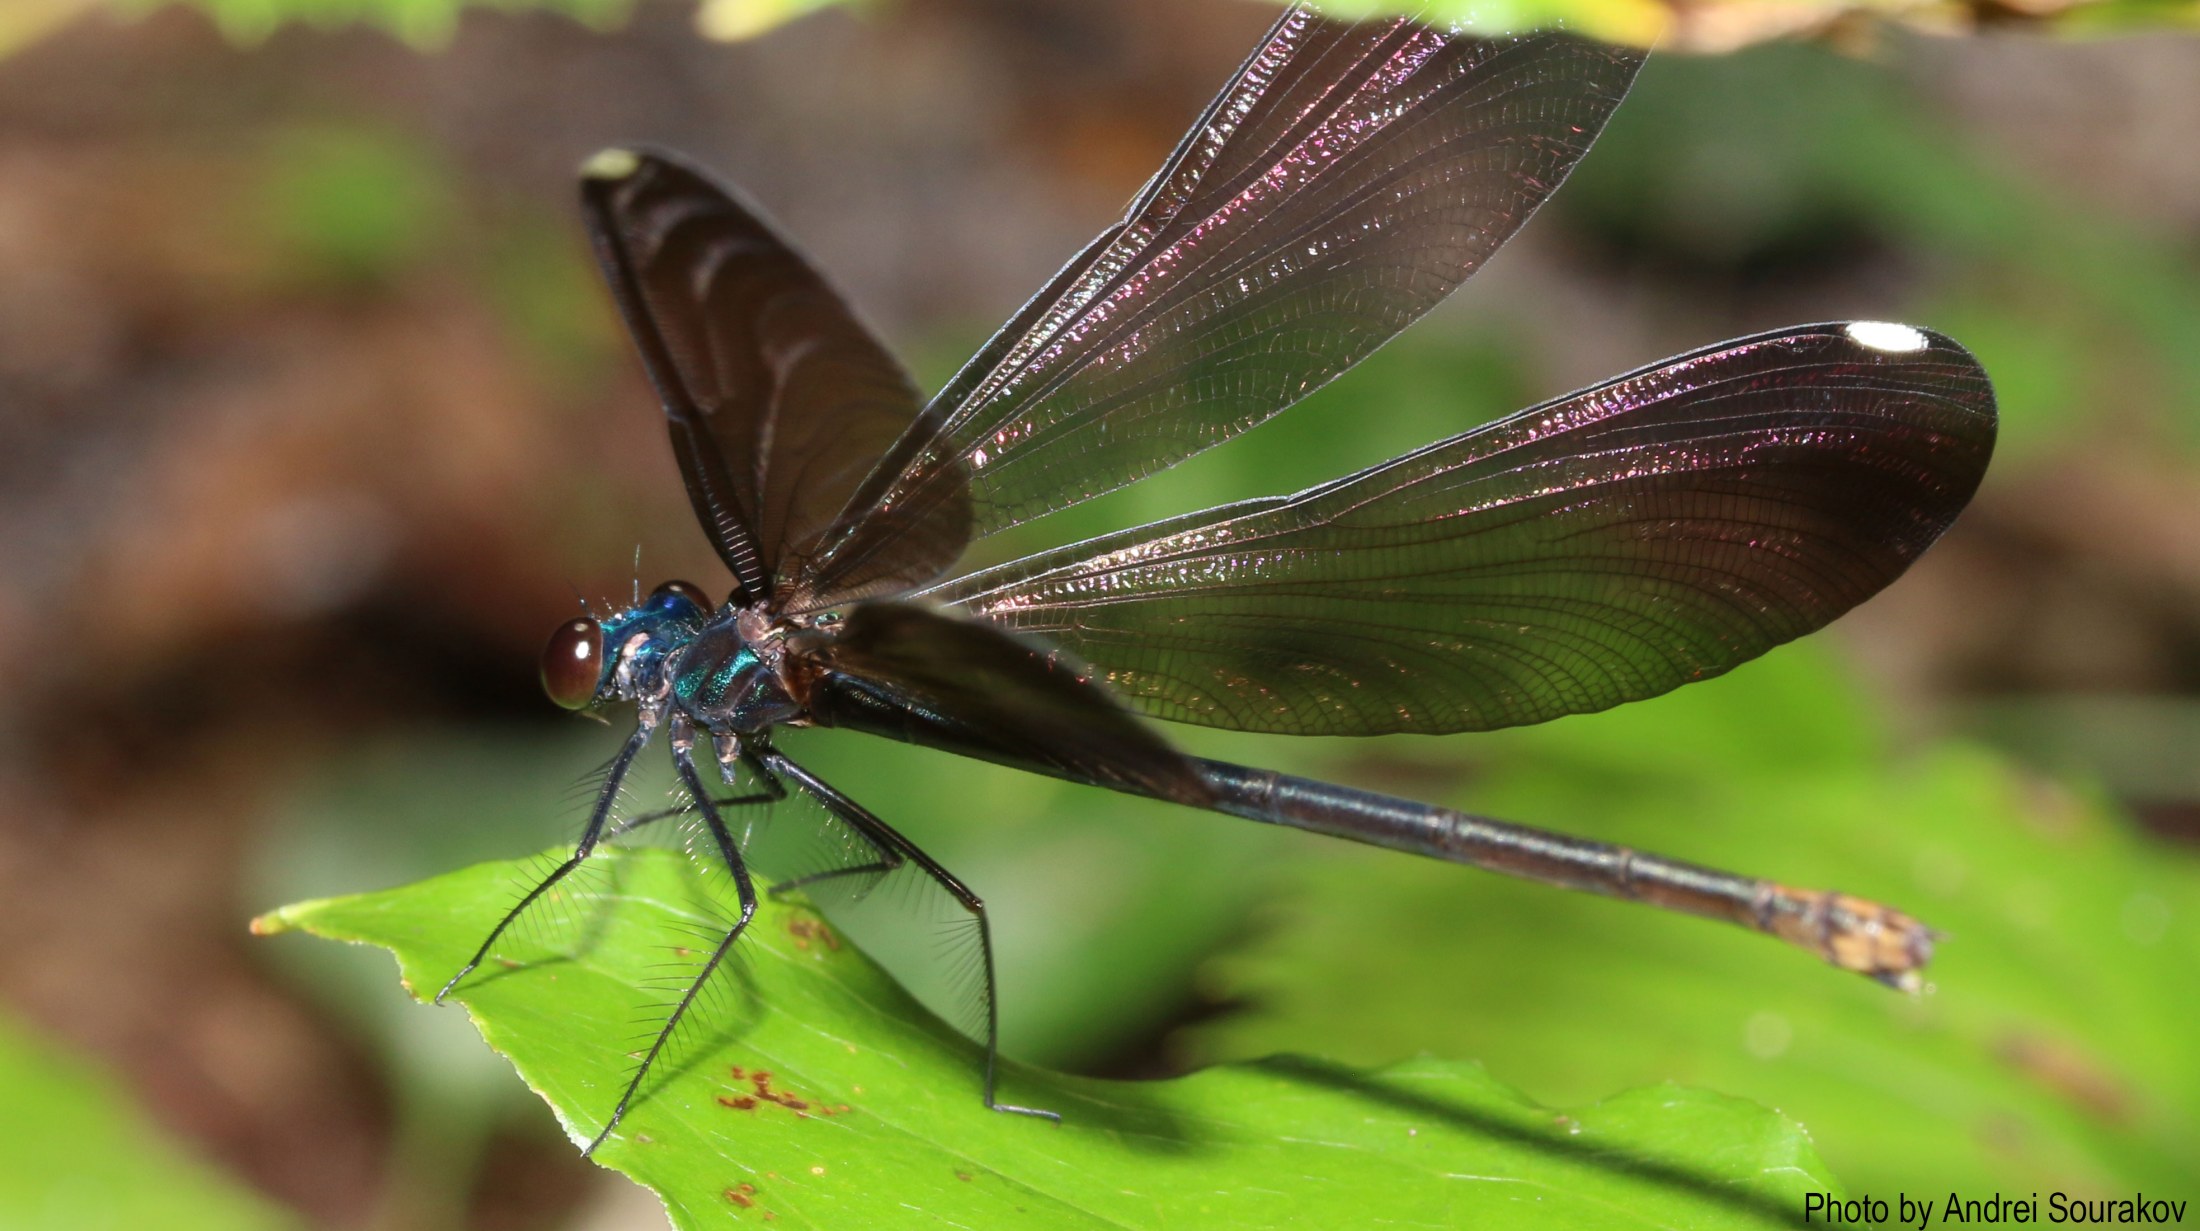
x=915, y=675
x=779, y=399
x=1348, y=178
x=1611, y=545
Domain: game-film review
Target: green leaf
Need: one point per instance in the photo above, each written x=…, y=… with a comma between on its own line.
x=80, y=1157
x=2053, y=1051
x=824, y=1096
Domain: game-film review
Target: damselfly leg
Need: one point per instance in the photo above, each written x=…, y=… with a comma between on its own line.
x=599, y=829
x=599, y=815
x=723, y=847
x=895, y=851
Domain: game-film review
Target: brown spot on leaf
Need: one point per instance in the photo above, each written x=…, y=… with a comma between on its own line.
x=761, y=1082
x=805, y=929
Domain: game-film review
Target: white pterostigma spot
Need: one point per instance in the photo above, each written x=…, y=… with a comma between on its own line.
x=1887, y=336
x=611, y=164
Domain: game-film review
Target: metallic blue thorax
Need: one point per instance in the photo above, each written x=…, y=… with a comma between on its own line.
x=706, y=662
x=642, y=640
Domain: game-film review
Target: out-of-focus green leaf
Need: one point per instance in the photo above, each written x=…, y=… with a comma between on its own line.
x=536, y=274
x=424, y=23
x=2055, y=1050
x=345, y=208
x=828, y=1098
x=80, y=1157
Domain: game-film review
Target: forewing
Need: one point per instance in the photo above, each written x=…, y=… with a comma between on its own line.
x=1608, y=546
x=937, y=679
x=780, y=401
x=1347, y=179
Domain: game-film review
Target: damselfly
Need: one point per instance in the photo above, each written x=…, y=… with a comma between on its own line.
x=1613, y=544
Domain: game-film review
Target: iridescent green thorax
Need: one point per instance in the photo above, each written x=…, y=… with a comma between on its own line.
x=726, y=678
x=705, y=681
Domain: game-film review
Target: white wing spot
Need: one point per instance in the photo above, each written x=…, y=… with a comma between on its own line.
x=611, y=164
x=1887, y=336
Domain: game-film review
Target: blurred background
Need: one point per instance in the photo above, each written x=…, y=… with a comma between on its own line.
x=314, y=419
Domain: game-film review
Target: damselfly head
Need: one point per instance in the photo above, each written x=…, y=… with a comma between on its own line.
x=572, y=664
x=619, y=656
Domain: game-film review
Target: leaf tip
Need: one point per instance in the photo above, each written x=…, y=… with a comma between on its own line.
x=296, y=917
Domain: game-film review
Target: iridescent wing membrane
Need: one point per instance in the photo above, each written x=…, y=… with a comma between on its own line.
x=779, y=399
x=1605, y=547
x=1346, y=180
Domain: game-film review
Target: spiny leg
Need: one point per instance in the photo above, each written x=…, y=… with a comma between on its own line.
x=730, y=753
x=898, y=849
x=632, y=823
x=683, y=758
x=885, y=859
x=607, y=796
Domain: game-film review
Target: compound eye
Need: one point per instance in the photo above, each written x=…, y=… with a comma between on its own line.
x=687, y=590
x=573, y=662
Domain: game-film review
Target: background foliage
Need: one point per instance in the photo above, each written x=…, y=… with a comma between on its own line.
x=1721, y=25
